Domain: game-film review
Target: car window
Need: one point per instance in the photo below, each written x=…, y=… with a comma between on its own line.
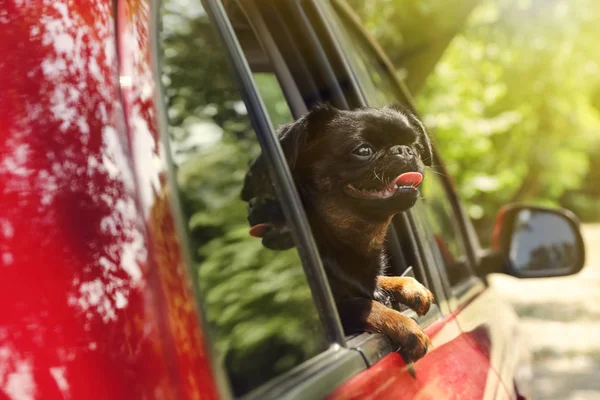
x=435, y=208
x=258, y=307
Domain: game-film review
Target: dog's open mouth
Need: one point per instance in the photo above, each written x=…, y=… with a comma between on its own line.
x=405, y=181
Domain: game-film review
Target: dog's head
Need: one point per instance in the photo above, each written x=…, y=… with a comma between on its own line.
x=367, y=161
x=355, y=165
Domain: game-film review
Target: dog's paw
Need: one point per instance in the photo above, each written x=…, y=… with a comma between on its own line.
x=412, y=340
x=400, y=329
x=415, y=295
x=408, y=291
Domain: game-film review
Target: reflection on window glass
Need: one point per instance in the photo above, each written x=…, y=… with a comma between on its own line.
x=436, y=209
x=375, y=80
x=542, y=241
x=257, y=301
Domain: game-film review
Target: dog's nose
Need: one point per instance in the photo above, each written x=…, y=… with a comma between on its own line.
x=402, y=151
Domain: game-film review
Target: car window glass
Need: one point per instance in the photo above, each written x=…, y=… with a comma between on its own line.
x=371, y=72
x=258, y=306
x=434, y=208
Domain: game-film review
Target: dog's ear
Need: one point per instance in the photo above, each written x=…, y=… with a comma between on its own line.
x=426, y=150
x=423, y=141
x=293, y=138
x=248, y=189
x=300, y=134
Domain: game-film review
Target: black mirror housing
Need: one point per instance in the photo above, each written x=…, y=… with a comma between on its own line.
x=535, y=242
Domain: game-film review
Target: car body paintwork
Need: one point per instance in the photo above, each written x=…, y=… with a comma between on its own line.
x=95, y=304
x=504, y=341
x=457, y=366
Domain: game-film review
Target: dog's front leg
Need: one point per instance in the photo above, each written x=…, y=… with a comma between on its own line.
x=360, y=314
x=407, y=291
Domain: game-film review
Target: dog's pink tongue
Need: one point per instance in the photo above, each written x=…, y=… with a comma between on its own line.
x=259, y=230
x=409, y=179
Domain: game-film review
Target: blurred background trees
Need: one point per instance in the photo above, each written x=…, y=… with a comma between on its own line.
x=510, y=89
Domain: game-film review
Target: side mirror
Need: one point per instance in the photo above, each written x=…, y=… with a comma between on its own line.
x=535, y=242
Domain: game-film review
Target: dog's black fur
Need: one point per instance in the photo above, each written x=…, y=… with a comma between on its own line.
x=349, y=199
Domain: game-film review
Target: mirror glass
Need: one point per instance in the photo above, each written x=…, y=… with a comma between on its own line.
x=544, y=243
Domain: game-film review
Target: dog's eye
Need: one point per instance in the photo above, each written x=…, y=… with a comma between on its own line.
x=363, y=151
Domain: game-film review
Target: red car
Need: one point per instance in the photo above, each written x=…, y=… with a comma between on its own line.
x=126, y=268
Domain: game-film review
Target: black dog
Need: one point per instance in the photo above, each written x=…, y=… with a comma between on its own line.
x=354, y=170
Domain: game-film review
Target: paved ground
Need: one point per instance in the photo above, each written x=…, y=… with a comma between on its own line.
x=562, y=316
